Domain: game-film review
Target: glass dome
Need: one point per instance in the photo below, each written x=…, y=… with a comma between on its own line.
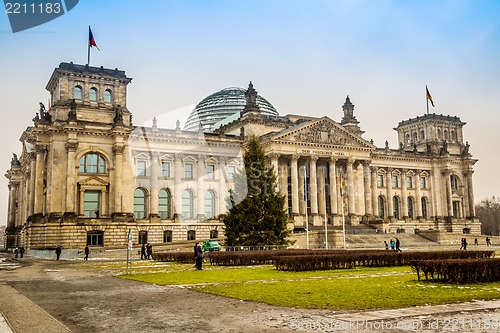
x=223, y=107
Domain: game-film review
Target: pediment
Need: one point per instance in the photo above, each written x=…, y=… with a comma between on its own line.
x=93, y=181
x=322, y=131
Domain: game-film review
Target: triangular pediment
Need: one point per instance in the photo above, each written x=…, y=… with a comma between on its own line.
x=322, y=131
x=93, y=181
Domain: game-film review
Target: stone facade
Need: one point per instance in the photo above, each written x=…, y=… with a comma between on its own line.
x=86, y=175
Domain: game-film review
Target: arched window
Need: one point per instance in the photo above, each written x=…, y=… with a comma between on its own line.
x=209, y=204
x=422, y=135
x=95, y=238
x=93, y=94
x=408, y=138
x=424, y=207
x=164, y=206
x=77, y=92
x=410, y=207
x=187, y=204
x=395, y=205
x=454, y=182
x=439, y=134
x=107, y=96
x=191, y=235
x=92, y=163
x=381, y=207
x=453, y=136
x=415, y=137
x=167, y=236
x=446, y=136
x=214, y=234
x=139, y=203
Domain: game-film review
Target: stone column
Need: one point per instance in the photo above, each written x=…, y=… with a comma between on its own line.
x=333, y=186
x=302, y=188
x=313, y=187
x=295, y=184
x=418, y=194
x=321, y=190
x=81, y=202
x=388, y=182
x=103, y=209
x=201, y=168
x=71, y=147
x=283, y=179
x=118, y=179
x=472, y=207
x=223, y=189
x=11, y=220
x=449, y=193
x=350, y=188
x=40, y=161
x=436, y=191
x=404, y=194
x=367, y=187
x=155, y=173
x=32, y=184
x=178, y=185
x=374, y=172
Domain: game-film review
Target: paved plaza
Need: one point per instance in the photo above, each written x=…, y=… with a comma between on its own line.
x=43, y=295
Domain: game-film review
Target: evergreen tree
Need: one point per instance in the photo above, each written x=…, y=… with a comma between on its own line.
x=257, y=214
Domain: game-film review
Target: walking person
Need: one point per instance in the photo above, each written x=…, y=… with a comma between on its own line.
x=398, y=244
x=21, y=251
x=143, y=251
x=16, y=253
x=149, y=251
x=58, y=252
x=386, y=245
x=465, y=244
x=392, y=244
x=475, y=241
x=199, y=256
x=462, y=244
x=488, y=241
x=87, y=251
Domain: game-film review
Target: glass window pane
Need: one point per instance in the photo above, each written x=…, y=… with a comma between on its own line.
x=93, y=94
x=107, y=96
x=139, y=204
x=77, y=92
x=91, y=203
x=165, y=169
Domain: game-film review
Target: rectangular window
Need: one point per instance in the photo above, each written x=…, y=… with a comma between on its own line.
x=380, y=180
x=165, y=169
x=211, y=171
x=230, y=172
x=91, y=204
x=141, y=168
x=188, y=170
x=409, y=182
x=395, y=182
x=423, y=182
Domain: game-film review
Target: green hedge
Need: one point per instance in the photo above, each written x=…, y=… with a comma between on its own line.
x=458, y=271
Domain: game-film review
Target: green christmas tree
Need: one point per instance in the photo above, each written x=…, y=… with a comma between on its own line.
x=257, y=214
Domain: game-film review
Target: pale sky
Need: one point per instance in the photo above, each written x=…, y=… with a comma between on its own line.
x=302, y=56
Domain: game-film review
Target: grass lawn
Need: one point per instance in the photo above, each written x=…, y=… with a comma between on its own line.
x=359, y=288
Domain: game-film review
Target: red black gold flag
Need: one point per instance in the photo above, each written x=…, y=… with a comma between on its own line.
x=92, y=40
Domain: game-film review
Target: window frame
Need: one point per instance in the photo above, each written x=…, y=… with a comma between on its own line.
x=165, y=171
x=188, y=170
x=142, y=204
x=93, y=91
x=141, y=172
x=79, y=91
x=108, y=96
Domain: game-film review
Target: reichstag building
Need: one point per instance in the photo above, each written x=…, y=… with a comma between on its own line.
x=86, y=175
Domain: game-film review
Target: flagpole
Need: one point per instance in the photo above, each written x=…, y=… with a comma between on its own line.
x=342, y=199
x=326, y=229
x=88, y=49
x=427, y=98
x=305, y=200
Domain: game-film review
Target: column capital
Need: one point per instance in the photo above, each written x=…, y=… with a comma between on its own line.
x=374, y=169
x=333, y=159
x=274, y=155
x=314, y=159
x=295, y=158
x=41, y=148
x=71, y=146
x=118, y=150
x=350, y=160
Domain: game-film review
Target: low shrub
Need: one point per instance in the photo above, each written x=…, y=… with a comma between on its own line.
x=458, y=271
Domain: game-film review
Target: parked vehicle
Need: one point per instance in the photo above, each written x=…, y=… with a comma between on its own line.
x=210, y=245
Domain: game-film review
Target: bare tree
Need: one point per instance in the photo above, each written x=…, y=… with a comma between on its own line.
x=488, y=212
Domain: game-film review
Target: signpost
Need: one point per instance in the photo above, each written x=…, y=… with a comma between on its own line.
x=129, y=252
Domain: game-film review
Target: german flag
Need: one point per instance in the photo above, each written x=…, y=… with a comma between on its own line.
x=429, y=97
x=93, y=43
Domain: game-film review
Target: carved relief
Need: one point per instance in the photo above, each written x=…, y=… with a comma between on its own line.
x=322, y=133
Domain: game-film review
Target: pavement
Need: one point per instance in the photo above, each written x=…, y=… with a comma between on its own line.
x=18, y=314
